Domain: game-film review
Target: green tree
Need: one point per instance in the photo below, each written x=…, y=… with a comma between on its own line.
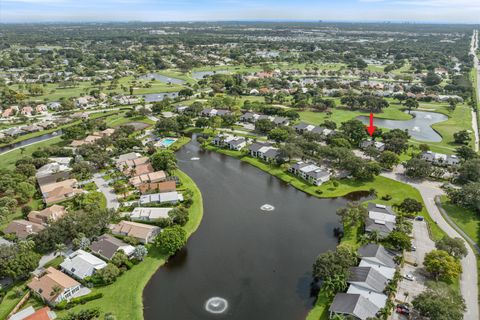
x=171, y=239
x=399, y=240
x=410, y=206
x=440, y=303
x=454, y=246
x=411, y=103
x=418, y=169
x=108, y=274
x=179, y=215
x=354, y=130
x=441, y=265
x=461, y=137
x=352, y=214
x=333, y=263
x=388, y=159
x=278, y=134
x=164, y=160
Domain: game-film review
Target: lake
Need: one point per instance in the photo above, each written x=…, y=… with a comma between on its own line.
x=419, y=127
x=162, y=78
x=259, y=261
x=29, y=141
x=154, y=97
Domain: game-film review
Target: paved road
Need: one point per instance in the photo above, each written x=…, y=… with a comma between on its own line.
x=468, y=282
x=102, y=185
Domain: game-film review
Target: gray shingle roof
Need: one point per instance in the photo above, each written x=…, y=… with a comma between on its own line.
x=383, y=229
x=372, y=250
x=353, y=304
x=380, y=208
x=371, y=278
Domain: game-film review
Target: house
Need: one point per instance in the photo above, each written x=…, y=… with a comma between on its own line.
x=30, y=314
x=264, y=151
x=59, y=191
x=165, y=197
x=26, y=111
x=181, y=109
x=53, y=172
x=54, y=105
x=41, y=108
x=7, y=113
x=380, y=146
x=129, y=164
x=310, y=172
x=159, y=187
x=302, y=127
x=139, y=170
x=23, y=228
x=440, y=159
x=14, y=131
x=152, y=177
x=230, y=141
x=148, y=214
x=46, y=215
x=281, y=121
x=106, y=246
x=145, y=233
x=126, y=157
x=381, y=219
x=354, y=305
x=369, y=283
x=81, y=264
x=379, y=258
x=210, y=112
x=54, y=286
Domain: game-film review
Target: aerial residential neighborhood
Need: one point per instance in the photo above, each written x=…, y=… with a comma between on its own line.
x=239, y=160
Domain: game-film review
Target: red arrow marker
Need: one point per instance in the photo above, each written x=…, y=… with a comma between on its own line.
x=371, y=128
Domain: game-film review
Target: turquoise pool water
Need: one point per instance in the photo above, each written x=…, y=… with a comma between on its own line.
x=168, y=142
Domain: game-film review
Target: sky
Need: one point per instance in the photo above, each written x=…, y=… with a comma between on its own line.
x=439, y=11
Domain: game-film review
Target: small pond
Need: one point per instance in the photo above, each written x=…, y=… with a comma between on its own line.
x=162, y=78
x=154, y=97
x=419, y=127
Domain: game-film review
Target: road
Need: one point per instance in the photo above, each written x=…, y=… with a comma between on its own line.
x=468, y=281
x=102, y=185
x=473, y=51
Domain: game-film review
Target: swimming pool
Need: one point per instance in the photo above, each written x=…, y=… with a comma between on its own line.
x=167, y=142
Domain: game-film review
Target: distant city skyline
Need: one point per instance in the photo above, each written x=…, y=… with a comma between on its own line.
x=437, y=11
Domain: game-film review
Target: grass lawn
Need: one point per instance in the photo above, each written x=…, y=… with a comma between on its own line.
x=124, y=297
x=52, y=91
x=467, y=220
x=7, y=160
x=10, y=301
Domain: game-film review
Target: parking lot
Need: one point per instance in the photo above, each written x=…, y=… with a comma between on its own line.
x=408, y=289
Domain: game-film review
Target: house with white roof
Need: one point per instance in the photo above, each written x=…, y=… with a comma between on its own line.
x=440, y=159
x=380, y=146
x=81, y=264
x=311, y=172
x=381, y=219
x=229, y=141
x=148, y=214
x=264, y=151
x=164, y=197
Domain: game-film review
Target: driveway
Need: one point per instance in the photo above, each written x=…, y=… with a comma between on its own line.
x=468, y=281
x=102, y=185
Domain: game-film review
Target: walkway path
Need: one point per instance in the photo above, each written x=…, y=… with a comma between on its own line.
x=429, y=190
x=102, y=185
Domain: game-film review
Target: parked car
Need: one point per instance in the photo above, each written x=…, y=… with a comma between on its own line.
x=409, y=277
x=413, y=248
x=419, y=218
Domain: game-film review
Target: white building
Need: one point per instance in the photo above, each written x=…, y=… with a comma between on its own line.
x=81, y=264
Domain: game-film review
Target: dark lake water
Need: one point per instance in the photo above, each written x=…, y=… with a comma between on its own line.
x=259, y=261
x=30, y=141
x=154, y=97
x=419, y=127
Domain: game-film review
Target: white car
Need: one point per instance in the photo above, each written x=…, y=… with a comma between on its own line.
x=409, y=277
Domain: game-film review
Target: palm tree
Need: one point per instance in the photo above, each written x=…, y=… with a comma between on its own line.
x=60, y=248
x=374, y=236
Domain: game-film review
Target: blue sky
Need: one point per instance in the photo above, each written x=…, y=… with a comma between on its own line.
x=457, y=11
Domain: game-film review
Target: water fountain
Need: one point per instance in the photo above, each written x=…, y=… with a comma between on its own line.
x=267, y=207
x=428, y=116
x=195, y=159
x=416, y=129
x=216, y=305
